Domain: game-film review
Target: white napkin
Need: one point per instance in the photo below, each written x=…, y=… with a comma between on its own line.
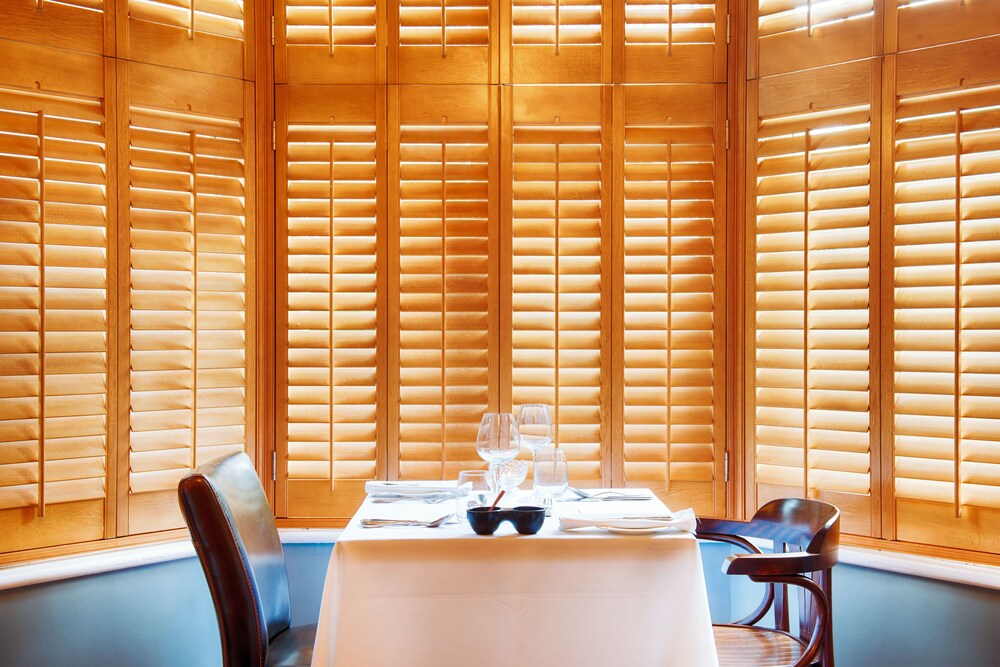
x=409, y=488
x=681, y=520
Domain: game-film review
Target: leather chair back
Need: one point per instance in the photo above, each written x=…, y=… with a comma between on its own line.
x=233, y=531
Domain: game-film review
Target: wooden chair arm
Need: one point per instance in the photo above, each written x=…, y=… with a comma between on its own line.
x=721, y=527
x=780, y=564
x=822, y=611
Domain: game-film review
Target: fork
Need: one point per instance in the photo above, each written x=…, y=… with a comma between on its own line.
x=430, y=499
x=379, y=523
x=605, y=495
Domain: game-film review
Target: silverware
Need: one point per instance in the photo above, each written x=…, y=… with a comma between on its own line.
x=430, y=498
x=379, y=523
x=604, y=495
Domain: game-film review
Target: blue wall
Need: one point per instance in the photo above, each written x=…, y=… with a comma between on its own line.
x=162, y=615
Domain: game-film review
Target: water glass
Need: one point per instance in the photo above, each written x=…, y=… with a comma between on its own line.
x=551, y=475
x=473, y=491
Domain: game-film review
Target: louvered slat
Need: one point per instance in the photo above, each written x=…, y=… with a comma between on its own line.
x=188, y=311
x=812, y=400
x=800, y=34
x=558, y=41
x=672, y=354
x=327, y=41
x=53, y=298
x=200, y=35
x=946, y=380
x=672, y=41
x=447, y=360
x=68, y=24
x=333, y=223
x=443, y=41
x=558, y=309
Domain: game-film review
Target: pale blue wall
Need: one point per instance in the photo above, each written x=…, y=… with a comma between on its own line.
x=161, y=615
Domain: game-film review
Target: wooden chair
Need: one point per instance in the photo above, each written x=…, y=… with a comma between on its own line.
x=806, y=537
x=237, y=543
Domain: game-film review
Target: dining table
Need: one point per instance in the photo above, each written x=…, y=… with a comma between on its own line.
x=414, y=596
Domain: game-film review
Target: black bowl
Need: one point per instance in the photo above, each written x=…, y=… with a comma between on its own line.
x=527, y=519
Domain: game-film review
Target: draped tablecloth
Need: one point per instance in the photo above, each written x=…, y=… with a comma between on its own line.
x=437, y=597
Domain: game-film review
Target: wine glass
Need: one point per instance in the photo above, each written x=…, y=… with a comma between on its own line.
x=498, y=440
x=551, y=475
x=534, y=422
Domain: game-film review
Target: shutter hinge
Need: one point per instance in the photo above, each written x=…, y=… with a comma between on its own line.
x=727, y=134
x=274, y=136
x=272, y=31
x=274, y=466
x=728, y=26
x=725, y=464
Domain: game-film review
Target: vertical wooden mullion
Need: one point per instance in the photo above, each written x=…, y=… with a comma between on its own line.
x=193, y=148
x=607, y=271
x=41, y=313
x=669, y=212
x=750, y=299
x=253, y=409
x=123, y=275
x=281, y=301
x=886, y=269
x=444, y=302
x=725, y=357
x=555, y=260
x=617, y=277
x=330, y=286
x=112, y=442
x=392, y=50
x=382, y=290
x=499, y=400
x=805, y=313
x=876, y=127
x=392, y=291
x=958, y=316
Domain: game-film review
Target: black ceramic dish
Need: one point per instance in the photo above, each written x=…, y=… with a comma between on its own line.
x=527, y=519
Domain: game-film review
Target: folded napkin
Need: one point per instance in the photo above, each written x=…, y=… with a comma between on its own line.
x=681, y=520
x=409, y=488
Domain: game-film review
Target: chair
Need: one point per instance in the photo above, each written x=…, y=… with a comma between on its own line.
x=806, y=537
x=237, y=543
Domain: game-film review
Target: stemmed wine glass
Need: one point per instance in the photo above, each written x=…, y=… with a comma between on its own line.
x=551, y=475
x=499, y=440
x=535, y=425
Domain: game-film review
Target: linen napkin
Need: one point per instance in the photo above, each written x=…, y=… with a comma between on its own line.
x=409, y=488
x=681, y=520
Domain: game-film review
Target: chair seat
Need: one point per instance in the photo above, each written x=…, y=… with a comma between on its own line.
x=292, y=648
x=744, y=646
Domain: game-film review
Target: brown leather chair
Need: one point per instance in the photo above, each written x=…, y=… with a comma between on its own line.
x=806, y=537
x=237, y=543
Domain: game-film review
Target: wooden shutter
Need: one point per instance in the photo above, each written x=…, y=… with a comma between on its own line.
x=946, y=400
x=560, y=41
x=674, y=298
x=78, y=25
x=54, y=292
x=331, y=188
x=812, y=406
x=561, y=291
x=188, y=274
x=668, y=41
x=921, y=24
x=443, y=41
x=442, y=284
x=329, y=41
x=200, y=35
x=801, y=34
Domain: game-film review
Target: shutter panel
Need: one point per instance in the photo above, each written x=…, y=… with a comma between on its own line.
x=801, y=34
x=331, y=176
x=54, y=410
x=188, y=276
x=327, y=41
x=200, y=35
x=922, y=24
x=946, y=400
x=560, y=41
x=674, y=224
x=443, y=41
x=561, y=293
x=675, y=40
x=812, y=385
x=68, y=24
x=445, y=366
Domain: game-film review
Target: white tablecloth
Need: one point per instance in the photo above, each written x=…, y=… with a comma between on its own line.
x=416, y=597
